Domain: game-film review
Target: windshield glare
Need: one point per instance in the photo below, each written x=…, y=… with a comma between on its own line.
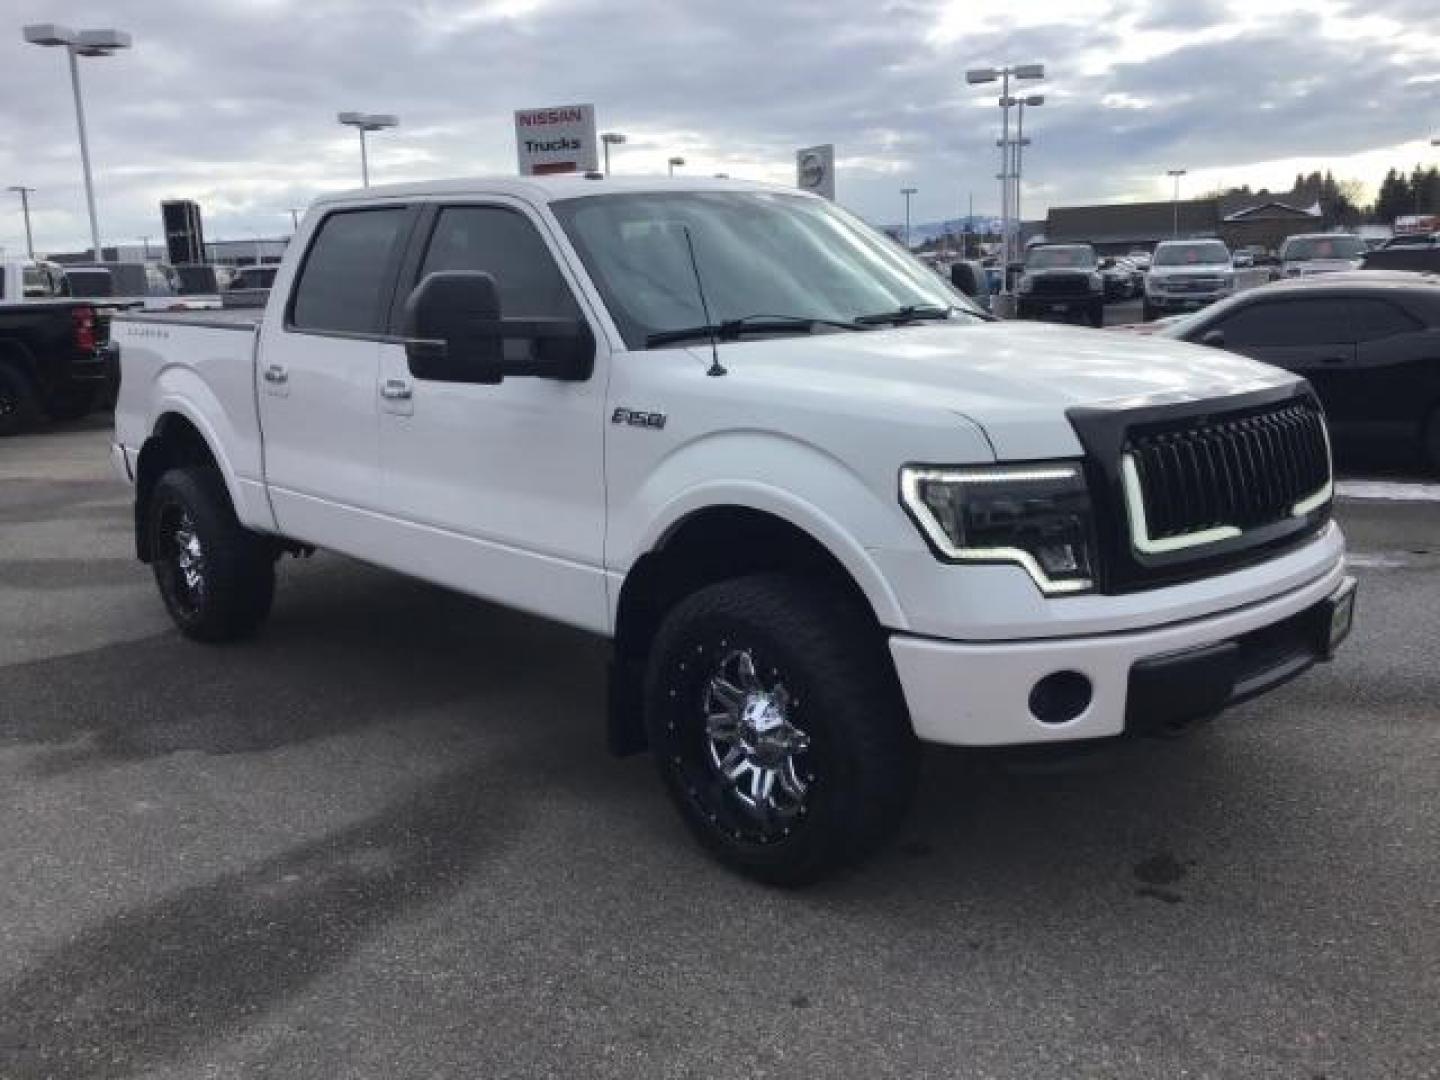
x=758, y=253
x=1324, y=247
x=1078, y=256
x=1202, y=252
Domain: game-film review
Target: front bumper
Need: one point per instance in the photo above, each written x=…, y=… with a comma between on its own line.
x=1189, y=301
x=983, y=694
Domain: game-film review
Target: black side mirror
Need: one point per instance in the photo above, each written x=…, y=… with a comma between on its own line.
x=1214, y=338
x=455, y=333
x=964, y=278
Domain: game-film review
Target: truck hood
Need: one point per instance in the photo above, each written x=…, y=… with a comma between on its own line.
x=1014, y=379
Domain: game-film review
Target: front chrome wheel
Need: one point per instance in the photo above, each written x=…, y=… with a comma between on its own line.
x=182, y=549
x=752, y=742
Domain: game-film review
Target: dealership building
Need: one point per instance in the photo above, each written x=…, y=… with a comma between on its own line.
x=1239, y=220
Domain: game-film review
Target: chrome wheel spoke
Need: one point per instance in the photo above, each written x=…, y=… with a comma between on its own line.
x=745, y=665
x=727, y=694
x=762, y=782
x=722, y=727
x=734, y=764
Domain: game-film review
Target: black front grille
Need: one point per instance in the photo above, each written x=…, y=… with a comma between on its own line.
x=1244, y=471
x=1244, y=461
x=1060, y=284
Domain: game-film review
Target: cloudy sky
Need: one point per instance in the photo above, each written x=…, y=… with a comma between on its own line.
x=232, y=102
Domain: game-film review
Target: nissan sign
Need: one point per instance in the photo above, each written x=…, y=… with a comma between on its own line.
x=557, y=140
x=815, y=170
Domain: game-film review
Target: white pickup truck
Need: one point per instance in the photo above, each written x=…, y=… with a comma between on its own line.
x=824, y=508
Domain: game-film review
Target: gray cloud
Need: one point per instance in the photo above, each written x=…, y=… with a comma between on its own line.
x=234, y=103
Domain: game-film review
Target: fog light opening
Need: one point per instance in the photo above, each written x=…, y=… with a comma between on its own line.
x=1060, y=697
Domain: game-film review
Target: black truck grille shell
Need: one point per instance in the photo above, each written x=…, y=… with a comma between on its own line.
x=1060, y=284
x=1243, y=472
x=1241, y=465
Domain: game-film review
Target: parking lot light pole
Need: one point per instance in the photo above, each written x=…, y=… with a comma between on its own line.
x=25, y=193
x=1004, y=74
x=105, y=42
x=364, y=122
x=907, y=192
x=294, y=212
x=675, y=163
x=1033, y=101
x=1175, y=175
x=609, y=139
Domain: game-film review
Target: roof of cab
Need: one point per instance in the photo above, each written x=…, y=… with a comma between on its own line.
x=548, y=188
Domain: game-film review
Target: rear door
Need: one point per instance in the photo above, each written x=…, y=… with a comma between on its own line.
x=317, y=375
x=499, y=490
x=1396, y=377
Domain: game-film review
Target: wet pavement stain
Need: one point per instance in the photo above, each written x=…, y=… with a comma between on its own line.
x=1158, y=872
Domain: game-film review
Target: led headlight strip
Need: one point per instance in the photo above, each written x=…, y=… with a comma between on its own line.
x=913, y=477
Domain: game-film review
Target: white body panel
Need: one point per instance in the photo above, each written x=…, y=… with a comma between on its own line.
x=527, y=493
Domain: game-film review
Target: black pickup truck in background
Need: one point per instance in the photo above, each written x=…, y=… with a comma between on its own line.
x=56, y=360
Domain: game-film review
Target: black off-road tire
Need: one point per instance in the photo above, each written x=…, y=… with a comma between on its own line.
x=862, y=756
x=18, y=411
x=236, y=567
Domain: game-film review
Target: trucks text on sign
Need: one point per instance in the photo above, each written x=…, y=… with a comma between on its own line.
x=556, y=140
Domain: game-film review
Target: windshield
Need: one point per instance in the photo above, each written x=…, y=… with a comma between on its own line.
x=1074, y=256
x=759, y=254
x=1182, y=254
x=1324, y=247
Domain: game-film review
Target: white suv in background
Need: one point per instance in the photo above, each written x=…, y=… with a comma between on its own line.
x=1186, y=275
x=1320, y=253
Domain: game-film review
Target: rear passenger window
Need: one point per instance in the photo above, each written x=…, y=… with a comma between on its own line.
x=1374, y=320
x=342, y=284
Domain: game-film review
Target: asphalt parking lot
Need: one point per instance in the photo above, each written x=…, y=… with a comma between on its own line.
x=384, y=840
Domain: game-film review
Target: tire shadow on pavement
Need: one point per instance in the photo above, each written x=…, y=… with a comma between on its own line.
x=347, y=648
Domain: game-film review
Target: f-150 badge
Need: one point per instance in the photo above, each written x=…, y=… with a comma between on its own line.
x=637, y=418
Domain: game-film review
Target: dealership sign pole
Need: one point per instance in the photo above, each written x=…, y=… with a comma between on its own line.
x=561, y=139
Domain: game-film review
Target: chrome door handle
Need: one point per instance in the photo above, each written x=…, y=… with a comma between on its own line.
x=276, y=374
x=396, y=390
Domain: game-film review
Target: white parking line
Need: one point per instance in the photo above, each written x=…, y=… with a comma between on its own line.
x=1390, y=490
x=1377, y=560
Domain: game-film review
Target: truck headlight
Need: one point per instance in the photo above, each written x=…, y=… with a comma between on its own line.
x=1026, y=283
x=1153, y=287
x=1036, y=516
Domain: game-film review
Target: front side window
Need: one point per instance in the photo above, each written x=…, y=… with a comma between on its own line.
x=1288, y=323
x=506, y=245
x=760, y=254
x=342, y=286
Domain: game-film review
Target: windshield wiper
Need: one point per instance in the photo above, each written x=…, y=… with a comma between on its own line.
x=730, y=329
x=907, y=314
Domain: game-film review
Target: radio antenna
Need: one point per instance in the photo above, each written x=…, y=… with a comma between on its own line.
x=716, y=368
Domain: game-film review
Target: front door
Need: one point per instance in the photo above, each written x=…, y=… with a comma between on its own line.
x=499, y=490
